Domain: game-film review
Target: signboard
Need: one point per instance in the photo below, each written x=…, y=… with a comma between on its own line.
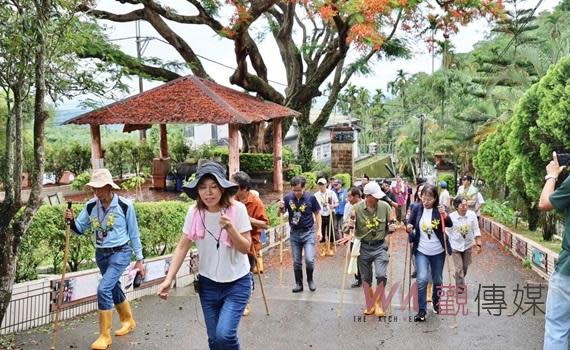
x=539, y=258
x=342, y=135
x=507, y=238
x=521, y=248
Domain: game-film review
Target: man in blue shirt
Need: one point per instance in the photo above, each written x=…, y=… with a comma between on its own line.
x=113, y=222
x=304, y=211
x=342, y=196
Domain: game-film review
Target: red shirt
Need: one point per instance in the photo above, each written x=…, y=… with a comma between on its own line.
x=256, y=210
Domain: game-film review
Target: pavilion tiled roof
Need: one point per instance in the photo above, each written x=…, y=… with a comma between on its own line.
x=188, y=99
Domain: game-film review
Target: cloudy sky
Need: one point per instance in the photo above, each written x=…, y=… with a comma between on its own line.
x=207, y=44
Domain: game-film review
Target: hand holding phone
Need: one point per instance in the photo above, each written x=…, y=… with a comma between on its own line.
x=563, y=159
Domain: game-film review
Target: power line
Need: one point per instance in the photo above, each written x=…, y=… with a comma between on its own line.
x=148, y=38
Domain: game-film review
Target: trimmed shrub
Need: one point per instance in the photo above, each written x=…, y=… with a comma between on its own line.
x=449, y=178
x=345, y=178
x=294, y=170
x=160, y=225
x=311, y=180
x=252, y=162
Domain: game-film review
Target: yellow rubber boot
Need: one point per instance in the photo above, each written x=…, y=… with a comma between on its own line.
x=126, y=317
x=246, y=311
x=429, y=292
x=378, y=311
x=373, y=308
x=323, y=250
x=259, y=263
x=105, y=322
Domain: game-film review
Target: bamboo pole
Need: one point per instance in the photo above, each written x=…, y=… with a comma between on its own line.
x=62, y=282
x=443, y=216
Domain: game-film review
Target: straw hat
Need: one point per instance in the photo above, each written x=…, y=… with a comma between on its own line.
x=101, y=178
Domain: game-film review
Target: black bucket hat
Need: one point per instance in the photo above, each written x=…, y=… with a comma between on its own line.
x=216, y=170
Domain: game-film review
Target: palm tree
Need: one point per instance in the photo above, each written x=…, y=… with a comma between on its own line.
x=398, y=87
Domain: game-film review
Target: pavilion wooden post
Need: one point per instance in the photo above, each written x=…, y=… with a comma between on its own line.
x=163, y=142
x=96, y=150
x=233, y=149
x=277, y=155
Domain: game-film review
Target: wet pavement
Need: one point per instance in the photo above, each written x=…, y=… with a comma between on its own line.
x=309, y=320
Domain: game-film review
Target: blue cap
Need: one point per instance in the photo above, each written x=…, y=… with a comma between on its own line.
x=443, y=184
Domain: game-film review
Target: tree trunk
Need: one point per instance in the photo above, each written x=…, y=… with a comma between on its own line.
x=11, y=234
x=533, y=216
x=308, y=135
x=548, y=226
x=7, y=268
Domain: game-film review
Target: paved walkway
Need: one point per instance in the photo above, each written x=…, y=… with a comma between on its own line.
x=309, y=320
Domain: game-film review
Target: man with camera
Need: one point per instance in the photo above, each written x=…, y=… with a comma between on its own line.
x=557, y=325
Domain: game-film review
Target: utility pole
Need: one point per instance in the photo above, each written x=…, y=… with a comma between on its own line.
x=142, y=133
x=432, y=51
x=421, y=156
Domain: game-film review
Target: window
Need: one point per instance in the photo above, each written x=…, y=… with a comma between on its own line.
x=189, y=131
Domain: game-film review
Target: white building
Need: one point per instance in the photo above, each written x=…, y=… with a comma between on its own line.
x=197, y=135
x=322, y=150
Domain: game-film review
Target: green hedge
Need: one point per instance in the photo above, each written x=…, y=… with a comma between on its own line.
x=160, y=224
x=294, y=170
x=252, y=162
x=449, y=178
x=345, y=178
x=311, y=180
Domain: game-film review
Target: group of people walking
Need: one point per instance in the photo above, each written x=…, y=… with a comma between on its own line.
x=225, y=225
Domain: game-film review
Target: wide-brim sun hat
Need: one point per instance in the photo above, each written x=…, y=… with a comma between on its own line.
x=101, y=178
x=218, y=172
x=373, y=189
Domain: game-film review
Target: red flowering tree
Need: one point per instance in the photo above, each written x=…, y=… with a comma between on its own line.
x=329, y=30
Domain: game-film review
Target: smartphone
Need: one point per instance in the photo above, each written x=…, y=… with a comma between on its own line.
x=563, y=159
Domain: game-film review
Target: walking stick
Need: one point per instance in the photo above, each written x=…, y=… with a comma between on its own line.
x=260, y=280
x=390, y=274
x=405, y=269
x=281, y=249
x=443, y=216
x=332, y=237
x=344, y=271
x=62, y=281
x=409, y=248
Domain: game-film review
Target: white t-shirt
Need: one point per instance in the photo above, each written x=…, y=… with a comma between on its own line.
x=444, y=198
x=323, y=198
x=224, y=264
x=467, y=224
x=472, y=194
x=429, y=245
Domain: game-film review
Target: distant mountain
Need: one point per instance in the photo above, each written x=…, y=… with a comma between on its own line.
x=65, y=113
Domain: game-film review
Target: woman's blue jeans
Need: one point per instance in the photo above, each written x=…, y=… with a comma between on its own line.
x=112, y=265
x=423, y=264
x=223, y=305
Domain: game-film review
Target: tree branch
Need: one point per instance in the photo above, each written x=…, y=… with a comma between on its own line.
x=202, y=18
x=127, y=17
x=177, y=42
